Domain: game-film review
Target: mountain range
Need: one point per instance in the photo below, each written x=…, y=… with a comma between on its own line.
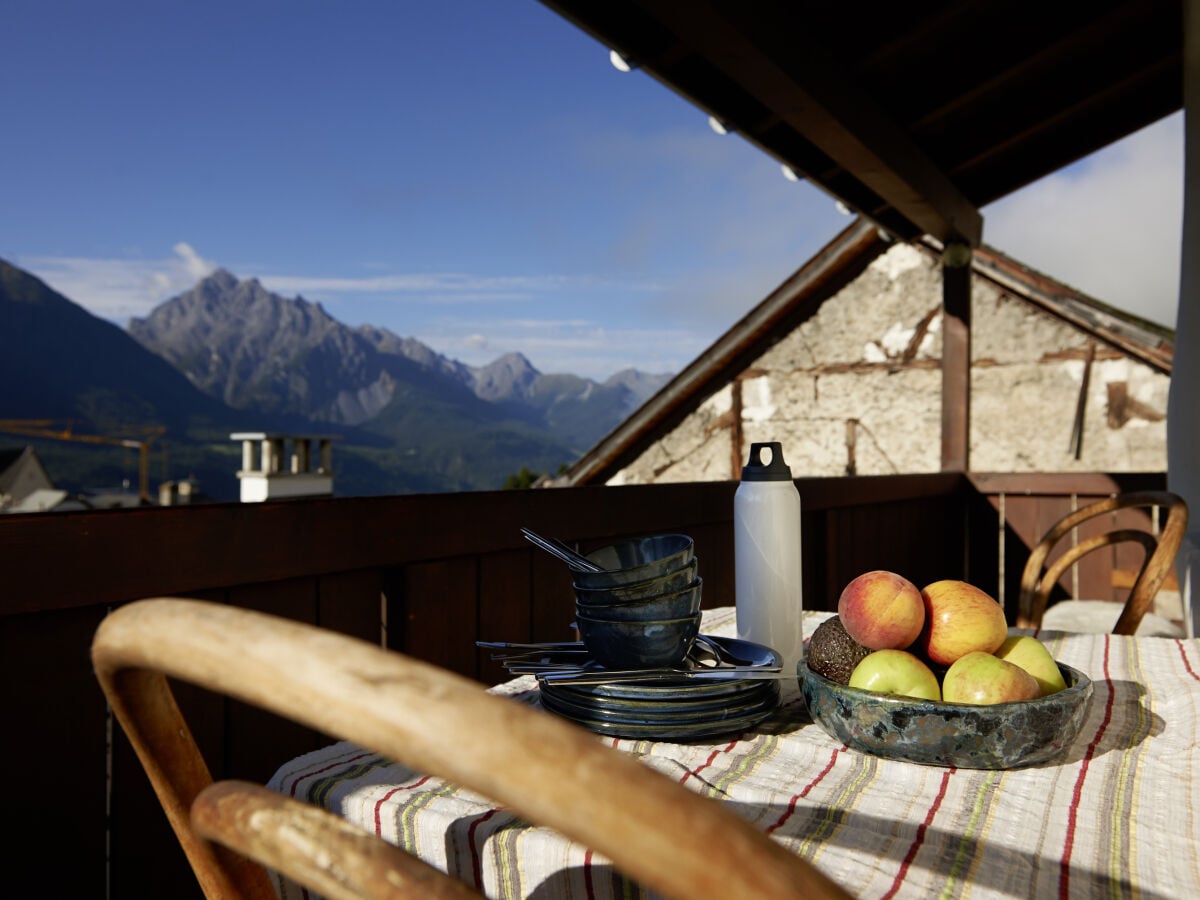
x=230, y=355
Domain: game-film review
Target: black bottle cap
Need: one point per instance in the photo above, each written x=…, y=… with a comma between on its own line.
x=775, y=470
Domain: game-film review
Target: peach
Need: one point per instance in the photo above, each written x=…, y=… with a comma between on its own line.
x=960, y=619
x=882, y=610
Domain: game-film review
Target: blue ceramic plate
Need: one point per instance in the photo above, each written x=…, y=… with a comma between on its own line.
x=643, y=712
x=1001, y=736
x=745, y=691
x=679, y=710
x=714, y=724
x=683, y=690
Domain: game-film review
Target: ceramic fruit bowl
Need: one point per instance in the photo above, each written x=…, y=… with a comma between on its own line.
x=1000, y=736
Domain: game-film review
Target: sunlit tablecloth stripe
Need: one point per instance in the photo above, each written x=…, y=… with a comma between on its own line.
x=1116, y=816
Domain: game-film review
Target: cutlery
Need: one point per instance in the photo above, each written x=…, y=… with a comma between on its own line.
x=537, y=663
x=533, y=666
x=566, y=656
x=557, y=548
x=615, y=676
x=705, y=648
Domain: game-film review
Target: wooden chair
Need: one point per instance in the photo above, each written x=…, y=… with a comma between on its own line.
x=549, y=771
x=1039, y=578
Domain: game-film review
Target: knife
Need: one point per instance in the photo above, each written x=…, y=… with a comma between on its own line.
x=547, y=645
x=732, y=673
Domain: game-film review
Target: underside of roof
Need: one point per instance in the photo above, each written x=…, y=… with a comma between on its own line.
x=914, y=115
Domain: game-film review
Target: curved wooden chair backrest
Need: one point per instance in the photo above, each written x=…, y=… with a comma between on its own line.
x=1038, y=579
x=666, y=837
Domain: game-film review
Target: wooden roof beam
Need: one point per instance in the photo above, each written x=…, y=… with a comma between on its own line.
x=813, y=96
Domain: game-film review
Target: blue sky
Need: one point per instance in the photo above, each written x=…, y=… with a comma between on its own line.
x=472, y=173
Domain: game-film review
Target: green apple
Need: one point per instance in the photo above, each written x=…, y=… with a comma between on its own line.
x=896, y=672
x=1031, y=655
x=982, y=679
x=959, y=619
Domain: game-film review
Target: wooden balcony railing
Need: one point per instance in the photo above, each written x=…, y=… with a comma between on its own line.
x=426, y=575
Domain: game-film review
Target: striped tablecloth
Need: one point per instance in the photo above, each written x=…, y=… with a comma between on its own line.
x=1117, y=816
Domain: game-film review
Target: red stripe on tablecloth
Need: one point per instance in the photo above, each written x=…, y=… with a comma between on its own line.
x=340, y=762
x=1187, y=663
x=476, y=857
x=389, y=795
x=1064, y=871
x=787, y=814
x=587, y=875
x=915, y=847
x=708, y=762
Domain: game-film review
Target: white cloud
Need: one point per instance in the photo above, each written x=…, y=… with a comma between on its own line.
x=119, y=289
x=192, y=263
x=1110, y=225
x=584, y=348
x=471, y=287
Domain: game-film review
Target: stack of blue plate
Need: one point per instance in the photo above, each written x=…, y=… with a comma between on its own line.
x=678, y=710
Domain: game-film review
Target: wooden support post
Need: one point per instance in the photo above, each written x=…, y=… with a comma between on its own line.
x=1076, y=448
x=956, y=357
x=737, y=454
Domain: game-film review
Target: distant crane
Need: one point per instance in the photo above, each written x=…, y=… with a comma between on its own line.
x=64, y=431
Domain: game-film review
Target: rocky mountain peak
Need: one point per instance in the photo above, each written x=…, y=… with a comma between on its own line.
x=505, y=377
x=219, y=283
x=257, y=350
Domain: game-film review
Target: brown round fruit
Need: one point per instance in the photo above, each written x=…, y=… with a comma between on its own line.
x=833, y=653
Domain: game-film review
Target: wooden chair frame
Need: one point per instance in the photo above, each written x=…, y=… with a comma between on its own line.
x=656, y=831
x=1160, y=552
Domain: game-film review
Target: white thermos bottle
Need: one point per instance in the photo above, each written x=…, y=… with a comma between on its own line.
x=766, y=545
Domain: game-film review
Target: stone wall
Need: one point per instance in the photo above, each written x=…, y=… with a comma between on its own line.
x=856, y=389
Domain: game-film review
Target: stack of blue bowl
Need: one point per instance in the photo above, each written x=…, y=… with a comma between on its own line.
x=642, y=610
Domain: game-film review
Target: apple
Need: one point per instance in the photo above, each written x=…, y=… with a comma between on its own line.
x=882, y=610
x=982, y=679
x=1031, y=655
x=959, y=619
x=896, y=672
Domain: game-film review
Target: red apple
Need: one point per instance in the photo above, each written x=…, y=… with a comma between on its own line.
x=982, y=679
x=959, y=619
x=896, y=672
x=882, y=610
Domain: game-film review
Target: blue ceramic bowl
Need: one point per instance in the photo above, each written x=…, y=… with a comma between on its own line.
x=675, y=580
x=637, y=559
x=673, y=604
x=640, y=643
x=1001, y=736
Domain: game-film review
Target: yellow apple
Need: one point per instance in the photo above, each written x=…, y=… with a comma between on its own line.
x=1031, y=655
x=896, y=672
x=982, y=679
x=959, y=619
x=882, y=610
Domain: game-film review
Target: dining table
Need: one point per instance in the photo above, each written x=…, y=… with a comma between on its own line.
x=1116, y=814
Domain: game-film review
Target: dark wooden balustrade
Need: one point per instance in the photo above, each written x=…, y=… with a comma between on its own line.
x=426, y=575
